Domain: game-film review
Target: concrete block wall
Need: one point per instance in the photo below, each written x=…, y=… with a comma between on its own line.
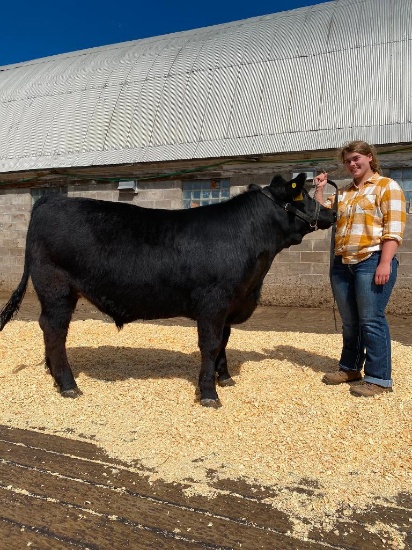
x=15, y=208
x=159, y=195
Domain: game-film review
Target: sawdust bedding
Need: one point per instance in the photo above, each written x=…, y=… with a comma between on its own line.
x=278, y=426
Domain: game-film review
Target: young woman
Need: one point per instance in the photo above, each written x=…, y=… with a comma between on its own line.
x=370, y=225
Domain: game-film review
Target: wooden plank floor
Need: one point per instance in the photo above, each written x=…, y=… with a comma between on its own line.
x=57, y=493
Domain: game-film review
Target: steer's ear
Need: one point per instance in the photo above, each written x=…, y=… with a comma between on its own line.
x=277, y=181
x=294, y=187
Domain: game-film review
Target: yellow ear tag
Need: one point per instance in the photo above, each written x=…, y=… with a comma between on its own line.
x=293, y=185
x=299, y=197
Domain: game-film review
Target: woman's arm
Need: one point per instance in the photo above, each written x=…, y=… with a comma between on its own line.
x=320, y=182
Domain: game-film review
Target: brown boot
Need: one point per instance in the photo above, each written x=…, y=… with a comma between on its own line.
x=366, y=389
x=340, y=376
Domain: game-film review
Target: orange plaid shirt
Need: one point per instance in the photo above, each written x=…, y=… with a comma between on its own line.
x=367, y=217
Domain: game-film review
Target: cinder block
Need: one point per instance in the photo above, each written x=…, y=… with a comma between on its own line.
x=319, y=257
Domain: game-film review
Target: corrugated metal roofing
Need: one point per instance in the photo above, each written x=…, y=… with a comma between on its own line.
x=304, y=79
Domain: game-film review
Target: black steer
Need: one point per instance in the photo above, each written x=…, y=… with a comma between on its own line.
x=207, y=264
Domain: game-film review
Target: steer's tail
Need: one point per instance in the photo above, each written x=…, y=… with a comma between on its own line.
x=16, y=298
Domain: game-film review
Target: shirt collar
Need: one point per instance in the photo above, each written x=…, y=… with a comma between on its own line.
x=373, y=179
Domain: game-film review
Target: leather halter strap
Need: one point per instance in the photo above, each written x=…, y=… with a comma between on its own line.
x=312, y=221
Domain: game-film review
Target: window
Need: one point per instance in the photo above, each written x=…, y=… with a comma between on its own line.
x=40, y=191
x=404, y=177
x=201, y=192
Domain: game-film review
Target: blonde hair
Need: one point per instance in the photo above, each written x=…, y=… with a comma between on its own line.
x=362, y=148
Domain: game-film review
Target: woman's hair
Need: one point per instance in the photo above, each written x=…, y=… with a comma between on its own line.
x=360, y=147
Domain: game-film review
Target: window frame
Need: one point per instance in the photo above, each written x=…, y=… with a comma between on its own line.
x=403, y=176
x=202, y=192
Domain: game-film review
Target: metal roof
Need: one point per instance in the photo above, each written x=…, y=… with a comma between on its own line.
x=304, y=79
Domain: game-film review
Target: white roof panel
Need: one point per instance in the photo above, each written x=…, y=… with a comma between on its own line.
x=303, y=79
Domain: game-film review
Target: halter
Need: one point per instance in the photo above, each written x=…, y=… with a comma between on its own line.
x=312, y=221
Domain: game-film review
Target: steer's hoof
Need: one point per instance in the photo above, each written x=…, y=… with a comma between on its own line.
x=226, y=382
x=72, y=393
x=211, y=403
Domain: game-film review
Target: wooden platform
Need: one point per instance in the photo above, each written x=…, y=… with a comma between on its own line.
x=57, y=493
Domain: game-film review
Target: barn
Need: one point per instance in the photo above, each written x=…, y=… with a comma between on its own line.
x=191, y=118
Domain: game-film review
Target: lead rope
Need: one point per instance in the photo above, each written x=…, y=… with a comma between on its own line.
x=332, y=250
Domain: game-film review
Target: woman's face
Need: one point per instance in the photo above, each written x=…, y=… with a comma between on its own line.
x=357, y=164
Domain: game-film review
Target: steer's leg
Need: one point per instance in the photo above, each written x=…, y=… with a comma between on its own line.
x=223, y=376
x=54, y=321
x=210, y=334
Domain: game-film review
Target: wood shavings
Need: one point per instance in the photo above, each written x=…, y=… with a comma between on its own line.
x=279, y=425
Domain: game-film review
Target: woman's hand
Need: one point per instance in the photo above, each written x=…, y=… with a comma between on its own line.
x=382, y=273
x=320, y=181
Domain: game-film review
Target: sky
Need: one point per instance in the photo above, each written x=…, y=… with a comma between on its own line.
x=33, y=29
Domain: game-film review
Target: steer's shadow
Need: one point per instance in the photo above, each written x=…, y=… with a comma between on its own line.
x=302, y=358
x=111, y=363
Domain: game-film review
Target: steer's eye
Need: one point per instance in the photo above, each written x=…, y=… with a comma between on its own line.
x=299, y=197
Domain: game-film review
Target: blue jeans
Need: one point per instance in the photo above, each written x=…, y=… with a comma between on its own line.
x=365, y=331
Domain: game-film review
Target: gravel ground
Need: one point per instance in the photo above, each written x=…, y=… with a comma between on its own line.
x=279, y=426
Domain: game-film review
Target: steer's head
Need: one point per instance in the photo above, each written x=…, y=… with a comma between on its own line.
x=309, y=214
